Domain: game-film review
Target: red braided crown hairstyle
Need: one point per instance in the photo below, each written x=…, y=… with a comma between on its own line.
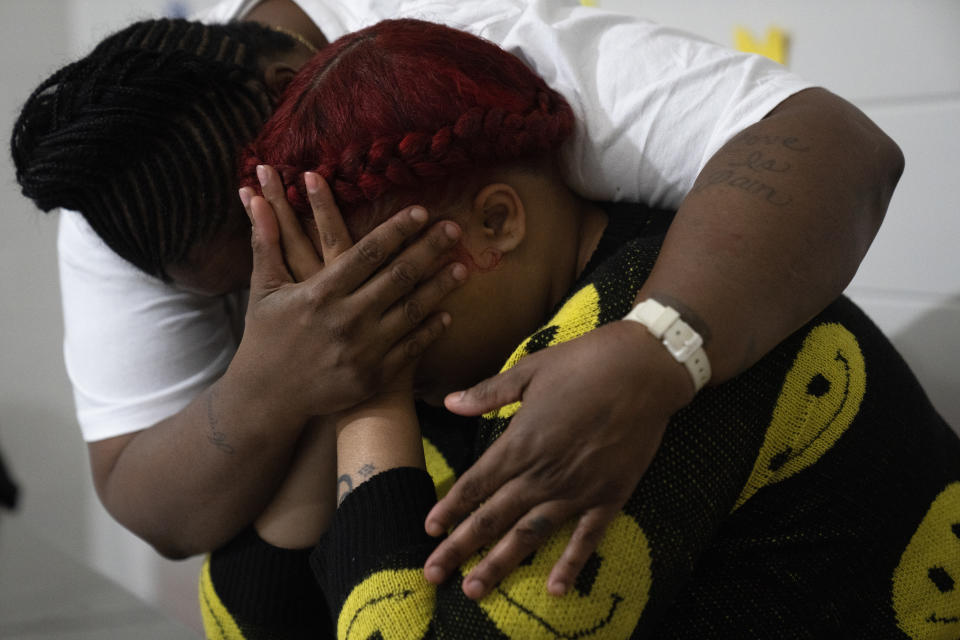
x=384, y=112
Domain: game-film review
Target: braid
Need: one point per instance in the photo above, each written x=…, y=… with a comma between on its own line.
x=141, y=135
x=397, y=107
x=478, y=138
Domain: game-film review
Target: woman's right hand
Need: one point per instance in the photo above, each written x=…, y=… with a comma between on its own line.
x=339, y=327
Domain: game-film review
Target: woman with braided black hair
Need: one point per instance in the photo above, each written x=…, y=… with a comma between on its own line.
x=189, y=434
x=141, y=136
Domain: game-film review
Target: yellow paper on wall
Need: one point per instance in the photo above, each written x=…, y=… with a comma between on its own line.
x=774, y=46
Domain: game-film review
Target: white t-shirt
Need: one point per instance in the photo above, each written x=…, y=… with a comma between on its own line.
x=653, y=105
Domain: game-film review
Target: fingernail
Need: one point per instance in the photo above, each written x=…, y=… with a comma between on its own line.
x=446, y=320
x=452, y=230
x=557, y=588
x=245, y=197
x=458, y=271
x=262, y=175
x=474, y=588
x=311, y=181
x=419, y=214
x=433, y=574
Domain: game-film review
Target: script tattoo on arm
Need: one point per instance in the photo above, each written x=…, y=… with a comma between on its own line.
x=753, y=162
x=214, y=436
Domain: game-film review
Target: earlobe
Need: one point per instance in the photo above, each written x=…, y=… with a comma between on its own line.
x=277, y=76
x=502, y=216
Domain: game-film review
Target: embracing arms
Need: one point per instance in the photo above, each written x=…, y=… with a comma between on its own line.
x=772, y=231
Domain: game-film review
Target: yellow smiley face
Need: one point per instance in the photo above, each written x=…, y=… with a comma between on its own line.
x=605, y=602
x=820, y=397
x=926, y=583
x=580, y=314
x=389, y=605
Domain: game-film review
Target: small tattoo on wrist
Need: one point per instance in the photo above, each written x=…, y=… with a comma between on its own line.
x=344, y=487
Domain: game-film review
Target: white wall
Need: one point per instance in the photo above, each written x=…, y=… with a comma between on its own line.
x=897, y=61
x=38, y=431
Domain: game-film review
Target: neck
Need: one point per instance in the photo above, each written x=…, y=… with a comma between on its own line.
x=588, y=224
x=593, y=222
x=286, y=16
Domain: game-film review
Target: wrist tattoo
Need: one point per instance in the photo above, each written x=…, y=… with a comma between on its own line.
x=214, y=436
x=344, y=487
x=345, y=482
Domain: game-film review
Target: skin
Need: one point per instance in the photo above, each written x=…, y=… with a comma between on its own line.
x=544, y=235
x=745, y=268
x=210, y=470
x=773, y=230
x=191, y=482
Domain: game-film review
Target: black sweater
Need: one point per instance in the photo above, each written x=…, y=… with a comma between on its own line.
x=817, y=495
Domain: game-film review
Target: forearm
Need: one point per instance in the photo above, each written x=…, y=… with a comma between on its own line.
x=776, y=226
x=379, y=435
x=301, y=510
x=190, y=483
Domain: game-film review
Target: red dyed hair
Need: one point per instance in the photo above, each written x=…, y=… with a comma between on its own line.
x=385, y=112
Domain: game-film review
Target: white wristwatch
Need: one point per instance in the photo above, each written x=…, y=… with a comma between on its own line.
x=683, y=343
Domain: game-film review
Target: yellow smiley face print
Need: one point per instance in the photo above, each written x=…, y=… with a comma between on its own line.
x=820, y=397
x=389, y=605
x=579, y=315
x=926, y=583
x=605, y=602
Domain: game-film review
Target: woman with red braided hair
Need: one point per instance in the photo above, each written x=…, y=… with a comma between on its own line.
x=784, y=503
x=189, y=427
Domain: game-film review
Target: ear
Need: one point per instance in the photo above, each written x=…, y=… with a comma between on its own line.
x=277, y=76
x=501, y=219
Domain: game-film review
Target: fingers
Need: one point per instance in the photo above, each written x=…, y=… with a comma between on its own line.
x=491, y=476
x=269, y=270
x=410, y=267
x=332, y=233
x=584, y=541
x=359, y=262
x=413, y=345
x=410, y=312
x=481, y=528
x=530, y=532
x=477, y=483
x=502, y=389
x=298, y=250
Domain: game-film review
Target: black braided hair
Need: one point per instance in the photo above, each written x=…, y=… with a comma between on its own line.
x=141, y=136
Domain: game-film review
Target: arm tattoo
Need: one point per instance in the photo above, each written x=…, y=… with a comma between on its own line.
x=750, y=159
x=345, y=482
x=216, y=437
x=344, y=487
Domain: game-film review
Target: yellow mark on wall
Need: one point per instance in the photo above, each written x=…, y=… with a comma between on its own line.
x=774, y=47
x=588, y=3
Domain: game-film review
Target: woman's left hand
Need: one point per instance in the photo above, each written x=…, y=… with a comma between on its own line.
x=593, y=414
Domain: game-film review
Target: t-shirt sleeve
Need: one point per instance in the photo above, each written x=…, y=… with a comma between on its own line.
x=137, y=350
x=653, y=103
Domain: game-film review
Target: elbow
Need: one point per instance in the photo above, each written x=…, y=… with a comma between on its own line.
x=892, y=163
x=879, y=151
x=172, y=551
